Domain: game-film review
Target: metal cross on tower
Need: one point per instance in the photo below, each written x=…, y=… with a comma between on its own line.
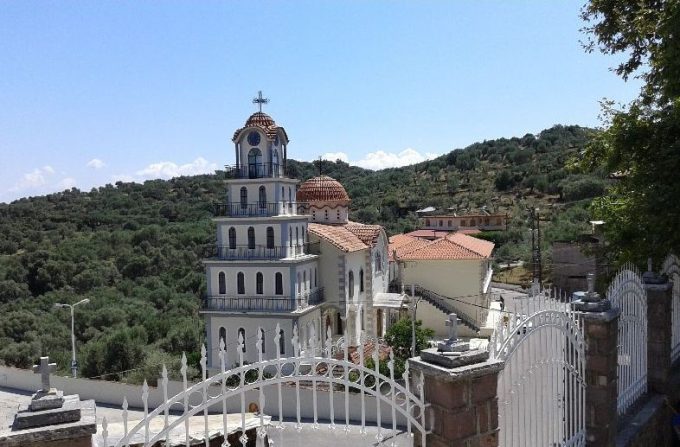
x=44, y=369
x=259, y=100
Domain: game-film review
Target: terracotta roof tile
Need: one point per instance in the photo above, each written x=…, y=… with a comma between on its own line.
x=453, y=246
x=322, y=189
x=484, y=248
x=368, y=234
x=338, y=235
x=262, y=121
x=403, y=243
x=428, y=234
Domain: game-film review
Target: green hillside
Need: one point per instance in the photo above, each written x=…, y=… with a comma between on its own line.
x=134, y=249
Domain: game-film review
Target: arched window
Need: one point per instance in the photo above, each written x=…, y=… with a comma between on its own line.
x=449, y=224
x=299, y=283
x=282, y=342
x=338, y=322
x=283, y=194
x=263, y=197
x=304, y=279
x=222, y=279
x=326, y=214
x=290, y=237
x=278, y=283
x=315, y=283
x=378, y=262
x=255, y=163
x=223, y=338
x=244, y=197
x=362, y=318
x=262, y=339
x=361, y=280
x=297, y=236
x=251, y=238
x=270, y=237
x=240, y=283
x=441, y=223
x=351, y=284
x=242, y=334
x=259, y=283
x=290, y=194
x=232, y=238
x=313, y=214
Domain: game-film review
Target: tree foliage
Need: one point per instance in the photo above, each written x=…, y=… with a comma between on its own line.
x=641, y=143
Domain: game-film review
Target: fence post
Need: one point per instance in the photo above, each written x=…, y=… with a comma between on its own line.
x=460, y=388
x=659, y=332
x=601, y=325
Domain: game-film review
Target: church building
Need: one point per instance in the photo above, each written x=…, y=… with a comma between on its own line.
x=289, y=256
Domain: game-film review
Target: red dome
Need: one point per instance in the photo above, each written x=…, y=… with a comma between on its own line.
x=260, y=119
x=322, y=189
x=265, y=122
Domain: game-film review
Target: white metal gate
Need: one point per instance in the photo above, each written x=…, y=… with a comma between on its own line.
x=627, y=293
x=338, y=380
x=671, y=268
x=541, y=390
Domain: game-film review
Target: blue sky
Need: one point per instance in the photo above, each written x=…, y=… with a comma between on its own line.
x=94, y=92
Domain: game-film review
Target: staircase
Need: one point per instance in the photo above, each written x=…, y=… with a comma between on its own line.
x=448, y=306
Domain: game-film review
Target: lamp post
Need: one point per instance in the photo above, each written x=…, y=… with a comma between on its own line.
x=413, y=304
x=74, y=363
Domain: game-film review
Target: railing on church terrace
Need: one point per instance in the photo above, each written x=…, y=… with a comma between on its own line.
x=263, y=303
x=316, y=297
x=260, y=252
x=257, y=209
x=249, y=303
x=256, y=170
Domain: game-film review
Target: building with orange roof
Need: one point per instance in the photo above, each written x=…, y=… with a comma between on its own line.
x=452, y=274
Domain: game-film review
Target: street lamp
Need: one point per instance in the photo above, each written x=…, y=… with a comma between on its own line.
x=412, y=302
x=74, y=363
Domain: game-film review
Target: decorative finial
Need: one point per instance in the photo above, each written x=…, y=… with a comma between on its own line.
x=259, y=100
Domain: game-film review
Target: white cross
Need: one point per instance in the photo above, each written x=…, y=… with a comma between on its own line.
x=44, y=369
x=452, y=323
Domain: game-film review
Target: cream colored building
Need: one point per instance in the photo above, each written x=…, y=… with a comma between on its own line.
x=451, y=274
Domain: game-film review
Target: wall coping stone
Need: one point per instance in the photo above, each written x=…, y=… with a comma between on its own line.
x=663, y=287
x=466, y=372
x=605, y=317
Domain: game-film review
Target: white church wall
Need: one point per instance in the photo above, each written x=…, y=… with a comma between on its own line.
x=328, y=269
x=250, y=323
x=281, y=234
x=112, y=393
x=250, y=272
x=381, y=276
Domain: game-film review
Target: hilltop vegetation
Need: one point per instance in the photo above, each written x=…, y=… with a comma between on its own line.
x=135, y=249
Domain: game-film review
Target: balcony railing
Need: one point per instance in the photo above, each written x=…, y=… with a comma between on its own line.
x=258, y=209
x=255, y=170
x=262, y=303
x=249, y=303
x=260, y=252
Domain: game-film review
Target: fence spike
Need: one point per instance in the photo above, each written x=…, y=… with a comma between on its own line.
x=105, y=431
x=294, y=340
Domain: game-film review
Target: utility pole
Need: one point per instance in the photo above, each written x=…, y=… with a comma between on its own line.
x=536, y=261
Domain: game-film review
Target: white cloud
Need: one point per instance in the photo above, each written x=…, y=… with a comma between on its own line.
x=95, y=163
x=381, y=159
x=168, y=169
x=66, y=183
x=34, y=179
x=333, y=156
